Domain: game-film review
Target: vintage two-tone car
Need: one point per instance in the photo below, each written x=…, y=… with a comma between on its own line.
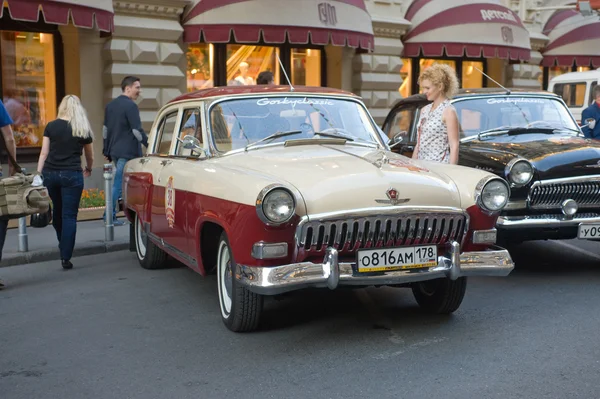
x=532, y=140
x=277, y=189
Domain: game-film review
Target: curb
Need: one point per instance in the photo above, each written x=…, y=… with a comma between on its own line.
x=44, y=255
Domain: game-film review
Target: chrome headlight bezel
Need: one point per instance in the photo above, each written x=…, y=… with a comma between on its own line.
x=508, y=172
x=263, y=198
x=480, y=192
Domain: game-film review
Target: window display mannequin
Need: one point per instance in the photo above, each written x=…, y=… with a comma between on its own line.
x=243, y=77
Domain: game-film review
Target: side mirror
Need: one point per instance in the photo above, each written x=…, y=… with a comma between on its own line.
x=398, y=138
x=192, y=143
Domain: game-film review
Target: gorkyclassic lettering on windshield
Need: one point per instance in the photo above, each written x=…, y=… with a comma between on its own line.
x=515, y=100
x=488, y=15
x=285, y=101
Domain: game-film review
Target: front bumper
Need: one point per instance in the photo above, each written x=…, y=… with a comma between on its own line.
x=545, y=221
x=331, y=273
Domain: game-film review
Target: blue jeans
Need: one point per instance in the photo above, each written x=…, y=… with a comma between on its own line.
x=3, y=230
x=65, y=188
x=118, y=184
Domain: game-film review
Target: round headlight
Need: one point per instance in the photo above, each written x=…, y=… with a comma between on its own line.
x=520, y=173
x=494, y=195
x=278, y=206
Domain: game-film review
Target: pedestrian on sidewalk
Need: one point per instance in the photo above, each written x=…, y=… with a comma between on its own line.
x=265, y=78
x=65, y=139
x=123, y=134
x=11, y=148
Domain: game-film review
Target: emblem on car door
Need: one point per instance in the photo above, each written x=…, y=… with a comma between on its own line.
x=393, y=198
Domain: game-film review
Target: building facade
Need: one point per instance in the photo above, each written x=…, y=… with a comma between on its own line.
x=375, y=48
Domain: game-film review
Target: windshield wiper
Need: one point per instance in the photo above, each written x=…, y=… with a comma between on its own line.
x=273, y=137
x=334, y=135
x=495, y=131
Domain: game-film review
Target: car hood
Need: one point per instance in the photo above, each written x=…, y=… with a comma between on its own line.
x=331, y=178
x=554, y=156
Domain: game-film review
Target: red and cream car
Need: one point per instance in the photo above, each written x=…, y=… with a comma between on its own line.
x=278, y=189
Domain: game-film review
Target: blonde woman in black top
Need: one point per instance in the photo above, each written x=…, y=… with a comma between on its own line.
x=65, y=139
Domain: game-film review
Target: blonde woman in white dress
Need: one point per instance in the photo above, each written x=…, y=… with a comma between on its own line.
x=437, y=134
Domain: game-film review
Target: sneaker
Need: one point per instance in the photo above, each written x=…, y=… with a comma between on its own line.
x=118, y=223
x=1, y=284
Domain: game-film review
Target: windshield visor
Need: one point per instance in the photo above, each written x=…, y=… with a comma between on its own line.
x=238, y=123
x=482, y=114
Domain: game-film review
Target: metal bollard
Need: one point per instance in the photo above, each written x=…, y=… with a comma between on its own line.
x=109, y=228
x=23, y=239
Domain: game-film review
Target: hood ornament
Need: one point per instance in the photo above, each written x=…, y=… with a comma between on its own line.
x=393, y=198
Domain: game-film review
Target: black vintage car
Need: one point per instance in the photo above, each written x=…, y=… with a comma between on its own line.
x=531, y=139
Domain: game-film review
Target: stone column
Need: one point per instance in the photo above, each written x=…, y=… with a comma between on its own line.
x=377, y=74
x=147, y=43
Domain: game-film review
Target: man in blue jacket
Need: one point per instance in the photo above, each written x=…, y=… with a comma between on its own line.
x=123, y=134
x=591, y=116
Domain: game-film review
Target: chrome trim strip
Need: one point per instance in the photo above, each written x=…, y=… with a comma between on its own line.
x=516, y=222
x=549, y=194
x=331, y=274
x=512, y=205
x=574, y=179
x=168, y=247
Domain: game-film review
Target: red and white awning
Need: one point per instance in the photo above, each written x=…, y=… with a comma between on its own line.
x=82, y=12
x=574, y=38
x=320, y=22
x=465, y=27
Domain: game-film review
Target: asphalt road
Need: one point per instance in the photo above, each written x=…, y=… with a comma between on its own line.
x=109, y=329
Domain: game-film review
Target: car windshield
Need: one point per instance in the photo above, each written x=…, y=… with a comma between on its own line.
x=239, y=123
x=500, y=113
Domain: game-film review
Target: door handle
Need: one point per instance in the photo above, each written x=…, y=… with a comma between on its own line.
x=143, y=160
x=408, y=148
x=166, y=162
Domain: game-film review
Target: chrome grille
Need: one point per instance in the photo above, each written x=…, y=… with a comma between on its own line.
x=381, y=231
x=548, y=196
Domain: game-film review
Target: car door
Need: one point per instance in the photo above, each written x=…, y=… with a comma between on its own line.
x=168, y=208
x=401, y=121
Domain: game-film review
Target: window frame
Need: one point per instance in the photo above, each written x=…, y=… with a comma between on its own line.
x=160, y=131
x=199, y=124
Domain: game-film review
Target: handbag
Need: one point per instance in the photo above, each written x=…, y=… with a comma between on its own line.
x=18, y=196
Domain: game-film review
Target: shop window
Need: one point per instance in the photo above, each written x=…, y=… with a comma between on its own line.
x=306, y=67
x=471, y=77
x=200, y=66
x=405, y=74
x=557, y=71
x=28, y=83
x=244, y=63
x=425, y=63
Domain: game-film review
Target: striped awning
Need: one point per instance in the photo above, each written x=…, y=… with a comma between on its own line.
x=82, y=13
x=319, y=22
x=464, y=27
x=574, y=39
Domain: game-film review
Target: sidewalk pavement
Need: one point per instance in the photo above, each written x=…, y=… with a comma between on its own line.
x=43, y=245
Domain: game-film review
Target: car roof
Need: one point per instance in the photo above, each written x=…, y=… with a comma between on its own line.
x=215, y=92
x=571, y=76
x=500, y=91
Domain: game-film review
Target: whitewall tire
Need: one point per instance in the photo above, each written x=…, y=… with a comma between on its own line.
x=149, y=255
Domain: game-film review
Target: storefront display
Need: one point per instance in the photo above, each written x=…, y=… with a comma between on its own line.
x=200, y=66
x=28, y=83
x=467, y=71
x=244, y=63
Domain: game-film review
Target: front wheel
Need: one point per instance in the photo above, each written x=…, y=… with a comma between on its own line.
x=240, y=308
x=150, y=256
x=440, y=296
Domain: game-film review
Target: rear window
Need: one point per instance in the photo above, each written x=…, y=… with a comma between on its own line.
x=572, y=93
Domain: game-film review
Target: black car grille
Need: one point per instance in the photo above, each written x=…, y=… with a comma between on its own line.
x=368, y=232
x=549, y=196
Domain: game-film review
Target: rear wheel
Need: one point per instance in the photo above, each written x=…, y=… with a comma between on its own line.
x=240, y=308
x=440, y=296
x=150, y=256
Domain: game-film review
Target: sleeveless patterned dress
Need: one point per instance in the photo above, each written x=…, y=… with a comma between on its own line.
x=433, y=135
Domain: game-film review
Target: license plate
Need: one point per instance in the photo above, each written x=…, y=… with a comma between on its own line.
x=386, y=259
x=589, y=231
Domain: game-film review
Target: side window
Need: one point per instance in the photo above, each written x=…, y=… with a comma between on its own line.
x=592, y=99
x=190, y=126
x=573, y=94
x=401, y=123
x=165, y=133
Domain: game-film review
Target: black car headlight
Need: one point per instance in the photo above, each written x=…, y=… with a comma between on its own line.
x=519, y=172
x=492, y=194
x=275, y=205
